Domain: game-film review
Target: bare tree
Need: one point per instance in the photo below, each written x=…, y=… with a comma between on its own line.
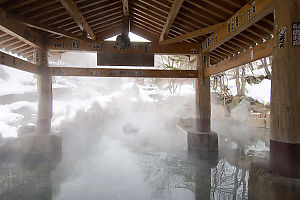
x=265, y=65
x=240, y=80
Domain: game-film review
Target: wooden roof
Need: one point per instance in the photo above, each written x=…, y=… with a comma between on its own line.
x=148, y=18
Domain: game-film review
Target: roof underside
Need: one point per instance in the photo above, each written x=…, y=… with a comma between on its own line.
x=147, y=19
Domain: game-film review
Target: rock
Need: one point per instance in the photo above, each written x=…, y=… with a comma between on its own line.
x=130, y=128
x=234, y=102
x=26, y=129
x=241, y=112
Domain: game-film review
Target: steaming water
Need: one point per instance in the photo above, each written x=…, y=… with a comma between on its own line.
x=159, y=167
x=132, y=150
x=116, y=165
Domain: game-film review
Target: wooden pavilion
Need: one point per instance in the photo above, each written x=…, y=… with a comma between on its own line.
x=222, y=34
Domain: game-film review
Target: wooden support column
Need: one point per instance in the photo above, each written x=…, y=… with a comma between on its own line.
x=203, y=107
x=285, y=103
x=44, y=84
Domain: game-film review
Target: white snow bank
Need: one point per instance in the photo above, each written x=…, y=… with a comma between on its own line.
x=261, y=92
x=10, y=118
x=18, y=83
x=258, y=147
x=7, y=131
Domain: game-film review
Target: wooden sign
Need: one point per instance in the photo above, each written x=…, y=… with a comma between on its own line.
x=296, y=34
x=118, y=59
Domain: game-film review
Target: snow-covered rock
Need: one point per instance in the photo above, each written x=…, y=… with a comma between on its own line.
x=260, y=92
x=241, y=111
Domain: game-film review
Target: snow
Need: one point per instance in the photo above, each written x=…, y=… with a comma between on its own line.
x=7, y=131
x=261, y=92
x=258, y=147
x=17, y=82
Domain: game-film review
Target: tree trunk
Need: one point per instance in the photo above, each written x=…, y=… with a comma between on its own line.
x=237, y=80
x=264, y=62
x=243, y=80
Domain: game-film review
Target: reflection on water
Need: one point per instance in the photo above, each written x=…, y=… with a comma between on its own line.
x=150, y=164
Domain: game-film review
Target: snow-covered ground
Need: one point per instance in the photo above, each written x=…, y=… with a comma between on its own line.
x=86, y=91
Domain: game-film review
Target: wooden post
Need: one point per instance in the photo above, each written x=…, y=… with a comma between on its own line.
x=44, y=84
x=203, y=107
x=285, y=104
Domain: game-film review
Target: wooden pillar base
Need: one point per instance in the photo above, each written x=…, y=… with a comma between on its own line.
x=264, y=184
x=285, y=158
x=202, y=141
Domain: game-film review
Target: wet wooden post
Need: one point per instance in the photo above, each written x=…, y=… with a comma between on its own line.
x=280, y=178
x=44, y=84
x=202, y=139
x=203, y=104
x=285, y=103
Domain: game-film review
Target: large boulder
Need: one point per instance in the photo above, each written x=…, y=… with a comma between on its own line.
x=241, y=111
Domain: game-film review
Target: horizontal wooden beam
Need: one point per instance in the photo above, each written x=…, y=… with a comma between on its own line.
x=17, y=63
x=12, y=27
x=74, y=11
x=259, y=51
x=139, y=73
x=171, y=18
x=197, y=33
x=248, y=15
x=110, y=47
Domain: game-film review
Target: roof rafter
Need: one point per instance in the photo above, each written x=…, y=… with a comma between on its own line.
x=259, y=51
x=251, y=13
x=73, y=10
x=44, y=27
x=171, y=18
x=194, y=34
x=12, y=27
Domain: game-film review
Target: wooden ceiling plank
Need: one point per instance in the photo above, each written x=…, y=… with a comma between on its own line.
x=107, y=26
x=171, y=18
x=9, y=25
x=18, y=47
x=144, y=33
x=200, y=32
x=19, y=4
x=73, y=10
x=262, y=9
x=19, y=51
x=34, y=6
x=260, y=51
x=219, y=6
x=200, y=15
x=205, y=9
x=46, y=28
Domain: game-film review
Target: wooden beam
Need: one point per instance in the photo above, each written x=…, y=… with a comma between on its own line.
x=139, y=73
x=248, y=15
x=12, y=27
x=260, y=51
x=17, y=63
x=197, y=33
x=110, y=47
x=74, y=11
x=171, y=18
